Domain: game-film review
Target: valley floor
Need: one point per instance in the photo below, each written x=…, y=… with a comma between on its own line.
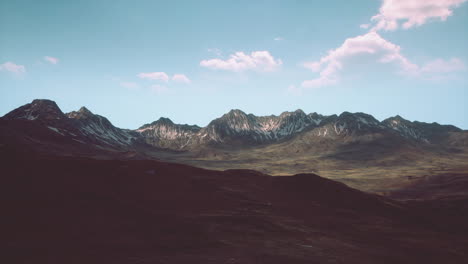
x=382, y=176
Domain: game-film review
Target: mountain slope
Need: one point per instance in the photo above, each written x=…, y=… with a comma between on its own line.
x=237, y=128
x=75, y=210
x=42, y=123
x=164, y=133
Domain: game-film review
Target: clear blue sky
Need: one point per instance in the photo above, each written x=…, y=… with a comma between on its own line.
x=119, y=58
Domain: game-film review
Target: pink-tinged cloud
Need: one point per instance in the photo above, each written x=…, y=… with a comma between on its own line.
x=412, y=13
x=51, y=59
x=162, y=76
x=181, y=78
x=239, y=61
x=129, y=85
x=372, y=45
x=12, y=67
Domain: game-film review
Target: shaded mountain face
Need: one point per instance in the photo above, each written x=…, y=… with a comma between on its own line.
x=37, y=110
x=100, y=129
x=234, y=129
x=418, y=130
x=43, y=122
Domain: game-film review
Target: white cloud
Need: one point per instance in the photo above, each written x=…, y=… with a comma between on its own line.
x=412, y=13
x=239, y=61
x=51, y=59
x=129, y=85
x=371, y=44
x=379, y=50
x=162, y=76
x=393, y=14
x=158, y=88
x=12, y=67
x=181, y=78
x=278, y=39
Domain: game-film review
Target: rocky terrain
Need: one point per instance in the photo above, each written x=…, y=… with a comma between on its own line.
x=377, y=156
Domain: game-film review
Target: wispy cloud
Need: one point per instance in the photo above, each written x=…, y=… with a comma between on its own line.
x=278, y=39
x=442, y=70
x=13, y=68
x=51, y=59
x=162, y=76
x=181, y=78
x=444, y=66
x=412, y=13
x=239, y=61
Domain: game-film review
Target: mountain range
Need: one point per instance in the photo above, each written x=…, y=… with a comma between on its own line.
x=233, y=128
x=293, y=142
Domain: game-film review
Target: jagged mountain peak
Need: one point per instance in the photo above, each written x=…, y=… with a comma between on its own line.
x=396, y=119
x=82, y=113
x=234, y=119
x=38, y=109
x=234, y=113
x=298, y=113
x=39, y=102
x=163, y=120
x=358, y=117
x=85, y=110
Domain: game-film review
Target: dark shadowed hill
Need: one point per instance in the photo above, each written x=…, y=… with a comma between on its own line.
x=77, y=210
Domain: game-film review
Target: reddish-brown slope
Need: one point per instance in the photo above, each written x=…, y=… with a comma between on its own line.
x=64, y=210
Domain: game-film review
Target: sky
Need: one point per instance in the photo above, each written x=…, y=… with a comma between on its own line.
x=192, y=61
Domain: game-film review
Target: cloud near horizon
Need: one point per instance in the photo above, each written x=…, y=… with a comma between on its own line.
x=13, y=68
x=51, y=60
x=381, y=51
x=239, y=62
x=411, y=13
